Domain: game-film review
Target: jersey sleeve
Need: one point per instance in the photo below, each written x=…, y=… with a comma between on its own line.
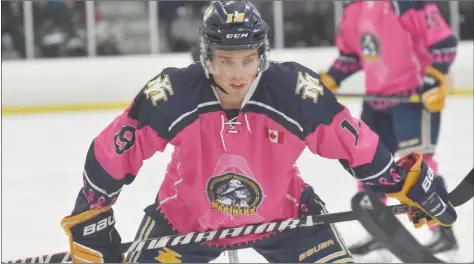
x=117, y=153
x=424, y=21
x=347, y=62
x=332, y=132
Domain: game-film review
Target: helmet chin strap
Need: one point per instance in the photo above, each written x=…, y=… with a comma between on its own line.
x=209, y=73
x=213, y=82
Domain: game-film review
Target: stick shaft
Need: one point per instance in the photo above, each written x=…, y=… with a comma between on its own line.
x=199, y=237
x=400, y=99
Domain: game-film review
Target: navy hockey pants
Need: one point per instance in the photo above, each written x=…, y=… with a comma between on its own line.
x=404, y=128
x=321, y=243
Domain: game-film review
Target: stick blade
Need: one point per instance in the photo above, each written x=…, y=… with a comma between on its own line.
x=380, y=222
x=464, y=191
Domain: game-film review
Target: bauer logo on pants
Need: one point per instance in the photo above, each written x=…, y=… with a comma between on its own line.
x=231, y=193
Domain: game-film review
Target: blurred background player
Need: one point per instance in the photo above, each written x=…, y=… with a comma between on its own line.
x=404, y=48
x=239, y=109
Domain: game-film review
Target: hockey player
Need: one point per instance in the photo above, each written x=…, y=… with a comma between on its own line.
x=404, y=48
x=237, y=123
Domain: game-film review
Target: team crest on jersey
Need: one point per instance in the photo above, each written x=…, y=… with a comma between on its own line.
x=232, y=193
x=370, y=47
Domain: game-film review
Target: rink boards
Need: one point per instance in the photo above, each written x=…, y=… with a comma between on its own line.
x=69, y=84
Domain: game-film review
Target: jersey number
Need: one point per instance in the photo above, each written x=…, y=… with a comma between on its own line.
x=125, y=139
x=346, y=125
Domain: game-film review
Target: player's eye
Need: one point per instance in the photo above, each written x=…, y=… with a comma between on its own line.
x=249, y=60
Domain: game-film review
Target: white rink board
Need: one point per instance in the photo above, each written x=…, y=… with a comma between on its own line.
x=118, y=79
x=43, y=158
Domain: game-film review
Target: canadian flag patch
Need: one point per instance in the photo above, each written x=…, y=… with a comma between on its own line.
x=274, y=135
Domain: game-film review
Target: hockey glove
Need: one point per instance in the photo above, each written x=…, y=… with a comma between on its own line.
x=420, y=219
x=328, y=81
x=92, y=236
x=423, y=190
x=434, y=90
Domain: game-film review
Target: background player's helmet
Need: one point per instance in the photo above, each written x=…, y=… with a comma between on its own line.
x=233, y=25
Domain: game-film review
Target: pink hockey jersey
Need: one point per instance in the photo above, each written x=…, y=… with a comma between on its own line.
x=230, y=169
x=393, y=42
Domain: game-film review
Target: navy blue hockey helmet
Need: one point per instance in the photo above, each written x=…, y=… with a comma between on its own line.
x=233, y=25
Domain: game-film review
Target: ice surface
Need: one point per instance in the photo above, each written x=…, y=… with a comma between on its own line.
x=43, y=158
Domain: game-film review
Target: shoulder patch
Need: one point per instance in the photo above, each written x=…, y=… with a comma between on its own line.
x=308, y=86
x=159, y=88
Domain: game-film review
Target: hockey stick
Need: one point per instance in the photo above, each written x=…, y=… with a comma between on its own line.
x=414, y=98
x=461, y=194
x=382, y=224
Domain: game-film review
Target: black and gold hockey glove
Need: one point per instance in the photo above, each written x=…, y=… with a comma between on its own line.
x=423, y=190
x=93, y=237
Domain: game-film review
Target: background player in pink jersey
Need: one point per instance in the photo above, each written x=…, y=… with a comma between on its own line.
x=237, y=123
x=404, y=48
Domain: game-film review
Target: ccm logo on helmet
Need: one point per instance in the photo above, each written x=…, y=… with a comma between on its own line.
x=236, y=36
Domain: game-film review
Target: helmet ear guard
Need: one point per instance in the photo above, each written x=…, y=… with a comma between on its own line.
x=205, y=59
x=264, y=56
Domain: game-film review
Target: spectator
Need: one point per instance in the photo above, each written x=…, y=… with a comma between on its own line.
x=12, y=28
x=179, y=18
x=308, y=23
x=8, y=50
x=60, y=26
x=185, y=29
x=466, y=9
x=108, y=32
x=59, y=30
x=54, y=26
x=109, y=37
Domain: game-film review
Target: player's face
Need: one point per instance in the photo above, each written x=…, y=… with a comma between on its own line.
x=235, y=70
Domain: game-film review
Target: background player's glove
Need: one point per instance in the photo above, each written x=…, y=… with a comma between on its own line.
x=434, y=90
x=422, y=189
x=92, y=236
x=328, y=81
